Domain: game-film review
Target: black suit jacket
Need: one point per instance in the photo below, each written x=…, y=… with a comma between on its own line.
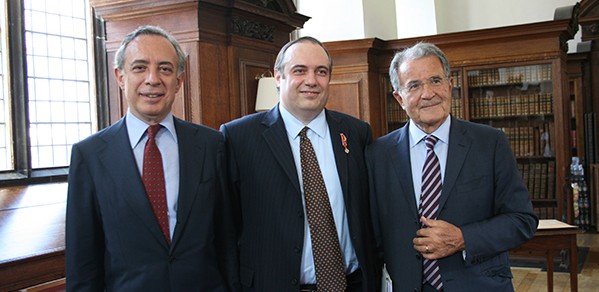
x=268, y=199
x=113, y=240
x=482, y=194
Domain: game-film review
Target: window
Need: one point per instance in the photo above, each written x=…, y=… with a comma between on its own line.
x=54, y=105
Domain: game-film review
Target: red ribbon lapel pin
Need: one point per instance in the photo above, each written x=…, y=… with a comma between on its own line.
x=344, y=143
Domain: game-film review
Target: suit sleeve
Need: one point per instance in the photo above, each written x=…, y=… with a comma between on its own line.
x=84, y=232
x=514, y=221
x=226, y=230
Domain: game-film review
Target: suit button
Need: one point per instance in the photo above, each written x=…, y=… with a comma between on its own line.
x=418, y=256
x=294, y=282
x=297, y=249
x=300, y=214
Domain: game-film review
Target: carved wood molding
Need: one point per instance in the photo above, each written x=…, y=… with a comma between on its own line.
x=253, y=29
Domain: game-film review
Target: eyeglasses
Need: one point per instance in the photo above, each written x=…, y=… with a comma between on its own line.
x=415, y=87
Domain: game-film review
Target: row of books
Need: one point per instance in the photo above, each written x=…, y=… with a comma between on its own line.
x=512, y=75
x=539, y=178
x=530, y=141
x=509, y=106
x=546, y=212
x=456, y=108
x=457, y=79
x=395, y=114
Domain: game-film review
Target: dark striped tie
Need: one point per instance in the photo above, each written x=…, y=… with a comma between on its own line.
x=429, y=204
x=328, y=261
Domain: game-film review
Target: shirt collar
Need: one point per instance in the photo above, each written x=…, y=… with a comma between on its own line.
x=136, y=128
x=295, y=126
x=442, y=133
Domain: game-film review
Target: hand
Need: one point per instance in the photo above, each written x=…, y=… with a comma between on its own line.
x=438, y=239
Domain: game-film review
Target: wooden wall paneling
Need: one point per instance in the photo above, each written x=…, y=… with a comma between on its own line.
x=345, y=92
x=186, y=105
x=561, y=116
x=227, y=42
x=355, y=84
x=213, y=83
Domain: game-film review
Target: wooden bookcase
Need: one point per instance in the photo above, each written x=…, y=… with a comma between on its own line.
x=518, y=99
x=513, y=78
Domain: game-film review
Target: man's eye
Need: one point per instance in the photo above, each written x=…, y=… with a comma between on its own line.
x=166, y=69
x=414, y=86
x=323, y=72
x=436, y=80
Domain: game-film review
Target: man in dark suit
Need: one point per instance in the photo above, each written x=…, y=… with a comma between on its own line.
x=452, y=230
x=117, y=239
x=277, y=246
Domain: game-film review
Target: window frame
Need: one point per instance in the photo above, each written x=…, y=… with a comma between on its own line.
x=17, y=75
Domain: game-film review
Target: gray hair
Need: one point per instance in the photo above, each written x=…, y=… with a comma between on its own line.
x=418, y=51
x=280, y=66
x=119, y=59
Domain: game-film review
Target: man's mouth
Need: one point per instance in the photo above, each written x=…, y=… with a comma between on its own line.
x=152, y=95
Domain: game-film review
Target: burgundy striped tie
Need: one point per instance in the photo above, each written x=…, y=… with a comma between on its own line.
x=153, y=178
x=429, y=204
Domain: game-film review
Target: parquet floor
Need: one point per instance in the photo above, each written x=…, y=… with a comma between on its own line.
x=534, y=280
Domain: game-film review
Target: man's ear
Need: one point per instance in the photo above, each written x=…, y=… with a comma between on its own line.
x=399, y=98
x=119, y=77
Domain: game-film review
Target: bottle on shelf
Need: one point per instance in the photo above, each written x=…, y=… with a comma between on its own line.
x=580, y=195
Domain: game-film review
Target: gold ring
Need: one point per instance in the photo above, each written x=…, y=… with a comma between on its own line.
x=427, y=249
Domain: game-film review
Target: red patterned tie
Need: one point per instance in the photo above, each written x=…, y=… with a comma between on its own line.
x=153, y=178
x=328, y=261
x=429, y=204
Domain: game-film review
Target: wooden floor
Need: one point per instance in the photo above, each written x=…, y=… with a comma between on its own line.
x=534, y=280
x=32, y=223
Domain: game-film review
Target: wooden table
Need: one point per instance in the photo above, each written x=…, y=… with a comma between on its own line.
x=550, y=239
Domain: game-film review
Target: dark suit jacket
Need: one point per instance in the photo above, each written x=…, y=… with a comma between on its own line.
x=113, y=240
x=482, y=194
x=268, y=199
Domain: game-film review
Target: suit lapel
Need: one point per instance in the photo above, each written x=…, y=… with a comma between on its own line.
x=275, y=136
x=191, y=155
x=119, y=161
x=459, y=145
x=399, y=155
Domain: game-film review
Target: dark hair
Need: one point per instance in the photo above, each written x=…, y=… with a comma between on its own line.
x=119, y=58
x=418, y=51
x=279, y=63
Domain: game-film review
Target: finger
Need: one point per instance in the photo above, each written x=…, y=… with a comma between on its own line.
x=425, y=221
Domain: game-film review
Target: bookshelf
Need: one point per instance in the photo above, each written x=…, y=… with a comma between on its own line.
x=514, y=78
x=519, y=101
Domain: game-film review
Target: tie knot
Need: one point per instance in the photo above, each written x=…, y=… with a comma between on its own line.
x=430, y=142
x=152, y=130
x=304, y=132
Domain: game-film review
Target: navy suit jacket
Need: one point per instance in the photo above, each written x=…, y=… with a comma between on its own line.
x=268, y=199
x=482, y=194
x=113, y=240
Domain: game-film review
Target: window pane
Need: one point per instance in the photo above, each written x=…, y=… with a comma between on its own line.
x=61, y=105
x=6, y=152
